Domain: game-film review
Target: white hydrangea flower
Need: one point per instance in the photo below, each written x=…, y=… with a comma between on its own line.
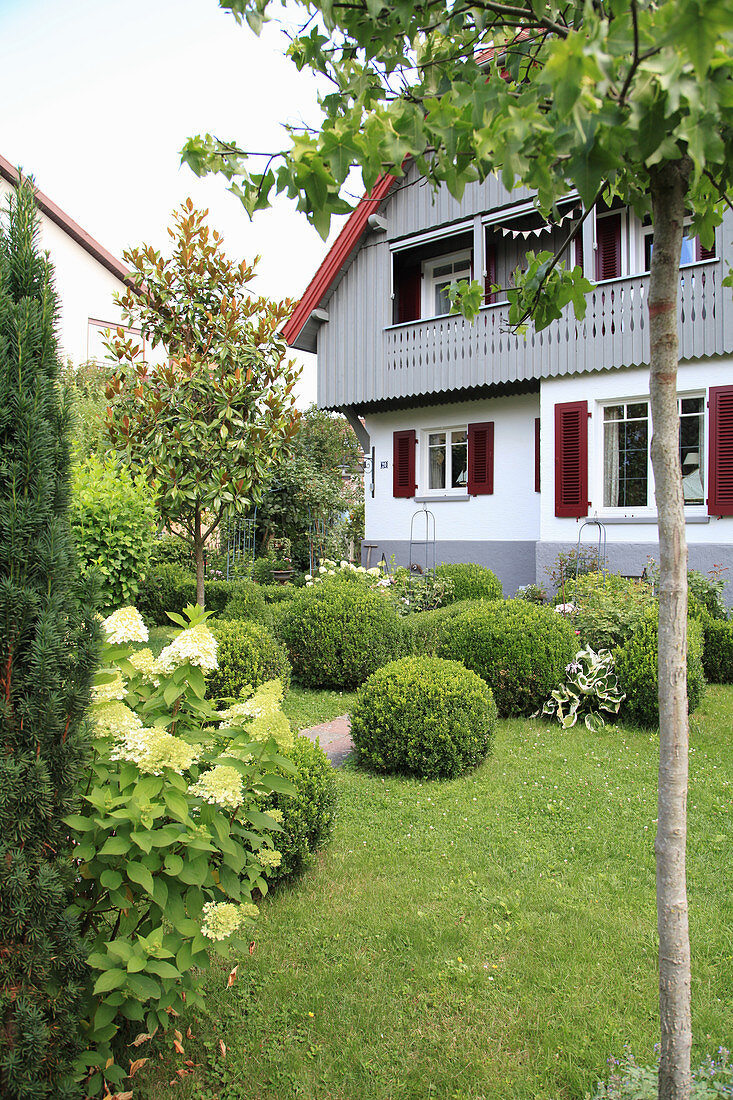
x=154, y=749
x=375, y=571
x=196, y=644
x=344, y=564
x=222, y=918
x=322, y=569
x=125, y=625
x=360, y=569
x=239, y=712
x=221, y=785
x=107, y=693
x=115, y=720
x=144, y=662
x=309, y=584
x=565, y=608
x=308, y=577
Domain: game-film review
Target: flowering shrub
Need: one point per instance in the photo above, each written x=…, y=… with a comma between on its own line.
x=328, y=568
x=591, y=688
x=712, y=1080
x=174, y=839
x=420, y=591
x=607, y=607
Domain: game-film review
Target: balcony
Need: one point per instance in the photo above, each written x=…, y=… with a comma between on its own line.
x=449, y=353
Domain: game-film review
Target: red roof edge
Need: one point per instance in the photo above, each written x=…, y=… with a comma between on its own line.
x=336, y=256
x=69, y=226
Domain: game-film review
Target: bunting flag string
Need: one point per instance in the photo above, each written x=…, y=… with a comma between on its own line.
x=546, y=228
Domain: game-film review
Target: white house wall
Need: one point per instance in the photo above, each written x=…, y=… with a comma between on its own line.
x=499, y=529
x=85, y=289
x=631, y=535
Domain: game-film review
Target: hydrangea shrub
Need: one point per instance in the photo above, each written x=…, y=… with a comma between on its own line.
x=174, y=839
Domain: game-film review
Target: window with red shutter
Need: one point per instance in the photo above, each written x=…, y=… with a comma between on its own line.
x=608, y=247
x=720, y=473
x=537, y=454
x=571, y=459
x=481, y=458
x=703, y=253
x=409, y=293
x=403, y=463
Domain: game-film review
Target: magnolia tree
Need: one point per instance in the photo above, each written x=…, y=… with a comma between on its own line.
x=627, y=99
x=205, y=427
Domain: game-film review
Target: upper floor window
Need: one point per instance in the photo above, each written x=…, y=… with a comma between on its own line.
x=692, y=250
x=437, y=276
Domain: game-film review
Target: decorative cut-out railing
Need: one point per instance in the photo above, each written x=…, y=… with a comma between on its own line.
x=447, y=353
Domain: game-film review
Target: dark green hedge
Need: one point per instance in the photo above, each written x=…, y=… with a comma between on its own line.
x=471, y=581
x=717, y=655
x=636, y=669
x=247, y=654
x=308, y=815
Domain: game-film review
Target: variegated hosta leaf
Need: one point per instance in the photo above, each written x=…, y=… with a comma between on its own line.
x=594, y=721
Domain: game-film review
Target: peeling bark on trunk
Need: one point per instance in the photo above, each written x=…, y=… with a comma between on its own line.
x=669, y=186
x=198, y=549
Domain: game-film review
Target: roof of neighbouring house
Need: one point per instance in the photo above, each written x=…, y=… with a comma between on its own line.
x=68, y=225
x=300, y=330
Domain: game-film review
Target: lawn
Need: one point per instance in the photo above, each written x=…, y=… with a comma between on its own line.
x=491, y=937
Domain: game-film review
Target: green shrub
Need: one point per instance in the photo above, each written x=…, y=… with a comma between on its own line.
x=423, y=716
x=423, y=632
x=338, y=633
x=308, y=815
x=521, y=650
x=470, y=582
x=533, y=593
x=170, y=550
x=705, y=590
x=636, y=668
x=247, y=654
x=608, y=608
x=171, y=588
x=113, y=523
x=246, y=602
x=717, y=654
x=277, y=593
x=571, y=563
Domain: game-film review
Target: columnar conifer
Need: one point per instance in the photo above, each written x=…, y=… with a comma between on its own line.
x=48, y=642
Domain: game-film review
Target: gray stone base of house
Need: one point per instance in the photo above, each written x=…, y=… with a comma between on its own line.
x=516, y=563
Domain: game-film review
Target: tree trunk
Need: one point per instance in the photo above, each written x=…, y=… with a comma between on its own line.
x=198, y=550
x=669, y=186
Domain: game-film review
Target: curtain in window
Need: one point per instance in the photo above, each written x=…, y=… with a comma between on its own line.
x=611, y=458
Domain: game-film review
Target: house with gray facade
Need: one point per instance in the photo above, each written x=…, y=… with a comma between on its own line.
x=511, y=442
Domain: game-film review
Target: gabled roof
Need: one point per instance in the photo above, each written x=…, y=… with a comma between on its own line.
x=68, y=225
x=336, y=258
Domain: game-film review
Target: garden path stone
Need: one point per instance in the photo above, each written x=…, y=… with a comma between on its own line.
x=334, y=738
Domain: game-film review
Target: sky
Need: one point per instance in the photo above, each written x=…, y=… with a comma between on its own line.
x=99, y=96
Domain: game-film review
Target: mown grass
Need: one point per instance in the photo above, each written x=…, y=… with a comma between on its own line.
x=306, y=708
x=492, y=937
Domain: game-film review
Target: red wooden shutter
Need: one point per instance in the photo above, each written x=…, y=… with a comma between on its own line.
x=703, y=253
x=481, y=458
x=571, y=459
x=403, y=464
x=537, y=454
x=409, y=293
x=720, y=466
x=490, y=280
x=608, y=252
x=579, y=249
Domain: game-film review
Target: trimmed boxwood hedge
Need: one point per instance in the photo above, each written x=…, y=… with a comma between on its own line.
x=338, y=634
x=717, y=654
x=247, y=654
x=423, y=716
x=519, y=648
x=308, y=815
x=636, y=669
x=424, y=630
x=471, y=581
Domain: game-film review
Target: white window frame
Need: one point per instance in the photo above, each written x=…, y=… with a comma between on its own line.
x=638, y=236
x=428, y=279
x=650, y=509
x=448, y=493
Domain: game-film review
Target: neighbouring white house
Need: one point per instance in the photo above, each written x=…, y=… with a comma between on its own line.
x=87, y=276
x=513, y=442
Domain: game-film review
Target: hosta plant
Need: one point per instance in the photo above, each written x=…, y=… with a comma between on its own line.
x=591, y=689
x=173, y=842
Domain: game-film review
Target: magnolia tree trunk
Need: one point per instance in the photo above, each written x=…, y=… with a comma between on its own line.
x=198, y=551
x=669, y=186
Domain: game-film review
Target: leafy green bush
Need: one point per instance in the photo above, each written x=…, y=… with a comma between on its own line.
x=705, y=590
x=338, y=633
x=170, y=550
x=307, y=815
x=171, y=588
x=246, y=602
x=470, y=582
x=608, y=608
x=713, y=1080
x=521, y=650
x=717, y=654
x=277, y=593
x=571, y=563
x=423, y=632
x=173, y=840
x=248, y=655
x=534, y=593
x=423, y=716
x=113, y=523
x=419, y=592
x=636, y=668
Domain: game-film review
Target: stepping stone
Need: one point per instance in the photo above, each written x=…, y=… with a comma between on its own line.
x=334, y=738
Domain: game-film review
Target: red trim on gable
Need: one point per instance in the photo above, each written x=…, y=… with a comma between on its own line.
x=69, y=226
x=336, y=257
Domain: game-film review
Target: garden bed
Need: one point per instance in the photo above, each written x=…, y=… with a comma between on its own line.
x=489, y=937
